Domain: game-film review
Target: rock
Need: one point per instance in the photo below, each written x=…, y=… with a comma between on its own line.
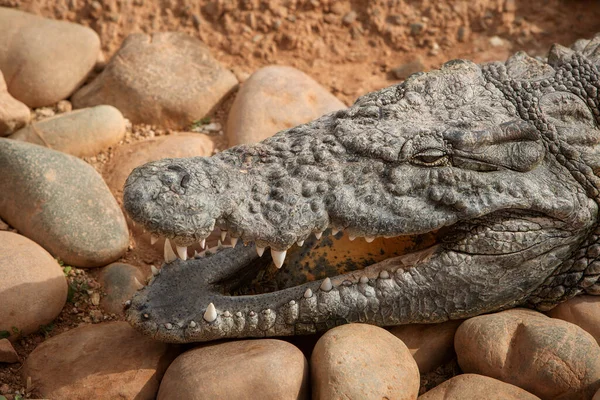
x=276, y=98
x=167, y=79
x=81, y=133
x=61, y=203
x=405, y=70
x=431, y=345
x=7, y=351
x=13, y=113
x=44, y=60
x=247, y=369
x=103, y=361
x=118, y=281
x=596, y=396
x=359, y=361
x=349, y=18
x=476, y=387
x=583, y=311
x=33, y=289
x=550, y=358
x=127, y=157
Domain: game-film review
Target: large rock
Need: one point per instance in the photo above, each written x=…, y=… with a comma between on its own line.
x=275, y=98
x=81, y=133
x=33, y=289
x=103, y=361
x=43, y=60
x=431, y=345
x=359, y=361
x=167, y=79
x=476, y=387
x=127, y=157
x=583, y=311
x=118, y=281
x=13, y=113
x=61, y=203
x=265, y=369
x=550, y=358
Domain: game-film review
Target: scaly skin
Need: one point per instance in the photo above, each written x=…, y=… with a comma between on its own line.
x=499, y=160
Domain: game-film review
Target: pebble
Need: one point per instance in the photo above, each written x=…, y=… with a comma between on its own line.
x=265, y=369
x=359, y=361
x=168, y=79
x=102, y=361
x=476, y=387
x=583, y=311
x=81, y=133
x=550, y=358
x=118, y=281
x=275, y=98
x=8, y=353
x=44, y=60
x=33, y=287
x=13, y=113
x=349, y=18
x=431, y=345
x=80, y=221
x=405, y=70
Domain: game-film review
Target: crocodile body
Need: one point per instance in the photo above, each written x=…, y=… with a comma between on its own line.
x=497, y=162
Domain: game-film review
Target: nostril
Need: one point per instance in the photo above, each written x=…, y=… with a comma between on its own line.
x=185, y=181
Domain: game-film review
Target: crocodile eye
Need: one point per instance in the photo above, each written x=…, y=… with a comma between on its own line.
x=431, y=157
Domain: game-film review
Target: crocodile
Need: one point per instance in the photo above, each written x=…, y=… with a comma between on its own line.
x=497, y=162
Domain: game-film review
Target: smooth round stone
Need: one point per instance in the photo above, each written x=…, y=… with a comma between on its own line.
x=118, y=281
x=476, y=387
x=103, y=361
x=61, y=203
x=13, y=113
x=44, y=60
x=431, y=345
x=130, y=156
x=550, y=358
x=33, y=288
x=359, y=361
x=168, y=79
x=583, y=311
x=275, y=98
x=265, y=369
x=81, y=133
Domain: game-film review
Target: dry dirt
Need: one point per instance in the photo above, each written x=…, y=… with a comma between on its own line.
x=350, y=47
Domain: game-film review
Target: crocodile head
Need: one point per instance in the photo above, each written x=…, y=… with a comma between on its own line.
x=495, y=162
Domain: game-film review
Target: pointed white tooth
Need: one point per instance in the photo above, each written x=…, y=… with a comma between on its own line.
x=384, y=274
x=196, y=254
x=203, y=243
x=211, y=313
x=308, y=293
x=318, y=235
x=192, y=324
x=169, y=253
x=326, y=285
x=182, y=252
x=153, y=238
x=219, y=244
x=334, y=231
x=223, y=235
x=300, y=243
x=155, y=271
x=260, y=251
x=351, y=237
x=278, y=257
x=138, y=284
x=364, y=279
x=234, y=241
x=369, y=239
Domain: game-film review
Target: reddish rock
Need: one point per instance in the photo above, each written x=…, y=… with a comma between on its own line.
x=476, y=387
x=583, y=311
x=7, y=352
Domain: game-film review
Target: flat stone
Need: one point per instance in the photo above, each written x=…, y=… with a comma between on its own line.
x=265, y=369
x=168, y=79
x=61, y=203
x=103, y=361
x=8, y=353
x=44, y=60
x=13, y=113
x=431, y=345
x=476, y=387
x=548, y=357
x=583, y=311
x=33, y=288
x=275, y=98
x=80, y=133
x=118, y=281
x=127, y=157
x=359, y=361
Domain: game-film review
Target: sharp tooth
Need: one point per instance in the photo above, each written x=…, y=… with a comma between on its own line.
x=369, y=239
x=153, y=238
x=169, y=253
x=203, y=243
x=300, y=243
x=364, y=279
x=234, y=241
x=308, y=293
x=318, y=235
x=223, y=235
x=384, y=275
x=334, y=231
x=155, y=271
x=210, y=315
x=182, y=252
x=326, y=285
x=192, y=324
x=278, y=257
x=260, y=251
x=351, y=237
x=219, y=244
x=137, y=284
